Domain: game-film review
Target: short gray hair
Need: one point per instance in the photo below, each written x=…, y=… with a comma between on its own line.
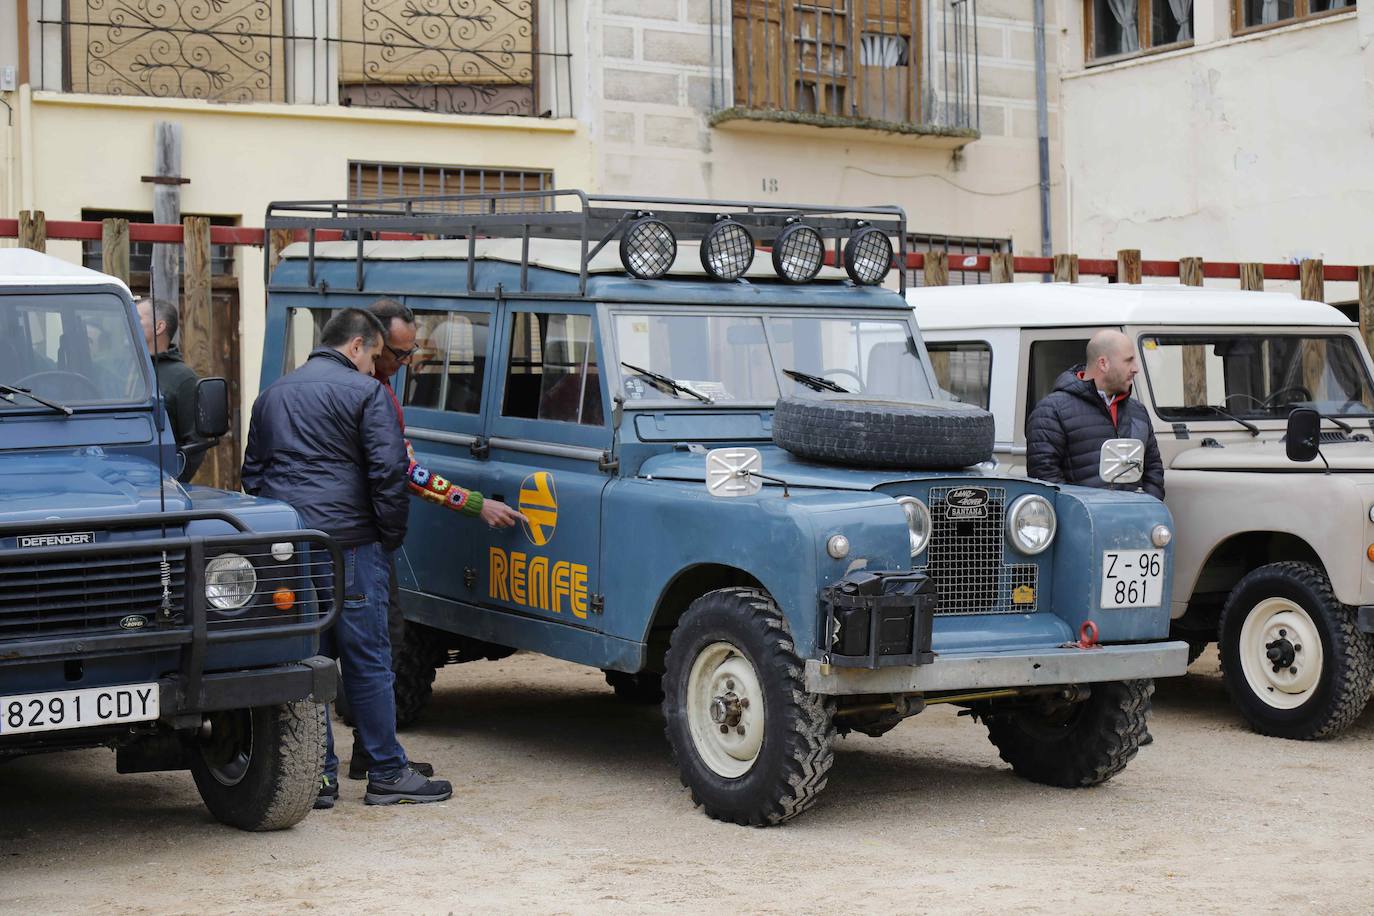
x=163, y=311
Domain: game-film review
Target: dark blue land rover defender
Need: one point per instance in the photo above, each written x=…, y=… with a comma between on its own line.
x=745, y=496
x=177, y=626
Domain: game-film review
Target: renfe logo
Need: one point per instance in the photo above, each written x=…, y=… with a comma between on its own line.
x=55, y=540
x=966, y=503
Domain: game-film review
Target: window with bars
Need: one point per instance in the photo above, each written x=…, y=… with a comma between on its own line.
x=1122, y=28
x=956, y=248
x=1261, y=14
x=410, y=179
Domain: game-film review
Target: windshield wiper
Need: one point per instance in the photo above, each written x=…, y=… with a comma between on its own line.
x=670, y=384
x=9, y=391
x=815, y=382
x=1254, y=430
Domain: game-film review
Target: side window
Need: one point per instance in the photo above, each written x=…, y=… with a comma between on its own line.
x=963, y=368
x=450, y=363
x=303, y=327
x=553, y=373
x=1048, y=360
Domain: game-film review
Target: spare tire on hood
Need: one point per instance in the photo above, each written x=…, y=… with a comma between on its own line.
x=863, y=432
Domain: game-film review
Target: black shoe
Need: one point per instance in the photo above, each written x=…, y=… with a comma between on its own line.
x=358, y=764
x=409, y=788
x=329, y=793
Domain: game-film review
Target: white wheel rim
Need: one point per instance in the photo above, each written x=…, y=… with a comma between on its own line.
x=723, y=692
x=1277, y=625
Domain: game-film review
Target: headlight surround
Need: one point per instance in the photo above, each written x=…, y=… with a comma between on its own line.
x=1031, y=524
x=230, y=581
x=917, y=524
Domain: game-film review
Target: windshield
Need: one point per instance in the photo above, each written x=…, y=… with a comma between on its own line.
x=757, y=358
x=1255, y=376
x=75, y=350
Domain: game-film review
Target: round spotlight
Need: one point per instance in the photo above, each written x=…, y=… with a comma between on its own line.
x=648, y=248
x=727, y=250
x=868, y=256
x=798, y=253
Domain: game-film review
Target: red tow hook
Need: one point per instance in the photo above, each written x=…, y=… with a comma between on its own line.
x=1087, y=637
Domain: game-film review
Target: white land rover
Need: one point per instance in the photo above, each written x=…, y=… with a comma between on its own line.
x=1274, y=555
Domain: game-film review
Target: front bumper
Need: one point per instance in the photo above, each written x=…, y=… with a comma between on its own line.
x=315, y=679
x=1023, y=668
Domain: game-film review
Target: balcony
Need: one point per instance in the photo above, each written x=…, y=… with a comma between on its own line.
x=496, y=57
x=903, y=67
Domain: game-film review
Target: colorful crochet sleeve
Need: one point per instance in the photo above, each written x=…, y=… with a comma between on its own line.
x=438, y=490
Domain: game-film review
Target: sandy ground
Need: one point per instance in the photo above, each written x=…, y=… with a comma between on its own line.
x=566, y=801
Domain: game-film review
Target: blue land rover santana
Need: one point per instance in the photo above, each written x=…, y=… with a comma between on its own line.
x=745, y=496
x=177, y=626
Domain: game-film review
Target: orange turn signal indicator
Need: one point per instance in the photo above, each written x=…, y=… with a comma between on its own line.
x=1369, y=552
x=284, y=599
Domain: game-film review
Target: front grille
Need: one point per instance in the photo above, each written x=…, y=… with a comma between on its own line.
x=77, y=595
x=966, y=559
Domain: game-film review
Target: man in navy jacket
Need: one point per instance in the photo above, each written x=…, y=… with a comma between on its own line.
x=326, y=440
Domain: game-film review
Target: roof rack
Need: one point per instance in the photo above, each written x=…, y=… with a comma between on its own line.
x=593, y=220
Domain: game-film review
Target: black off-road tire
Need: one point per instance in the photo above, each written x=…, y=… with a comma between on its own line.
x=1343, y=688
x=260, y=768
x=1084, y=745
x=790, y=769
x=640, y=687
x=417, y=653
x=859, y=431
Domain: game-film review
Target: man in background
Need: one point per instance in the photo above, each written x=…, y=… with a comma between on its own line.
x=176, y=380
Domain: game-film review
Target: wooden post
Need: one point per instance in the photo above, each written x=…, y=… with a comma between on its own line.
x=937, y=268
x=1252, y=277
x=277, y=240
x=114, y=248
x=1313, y=351
x=33, y=230
x=167, y=209
x=1194, y=355
x=1310, y=274
x=1128, y=265
x=1003, y=267
x=1066, y=268
x=1366, y=276
x=197, y=317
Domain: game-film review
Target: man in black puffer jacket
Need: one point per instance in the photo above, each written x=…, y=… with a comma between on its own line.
x=1089, y=405
x=326, y=439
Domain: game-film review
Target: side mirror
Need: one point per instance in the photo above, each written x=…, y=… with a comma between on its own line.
x=1121, y=461
x=212, y=408
x=1303, y=438
x=733, y=472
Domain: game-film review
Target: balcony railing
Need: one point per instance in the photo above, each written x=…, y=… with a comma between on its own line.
x=506, y=57
x=881, y=63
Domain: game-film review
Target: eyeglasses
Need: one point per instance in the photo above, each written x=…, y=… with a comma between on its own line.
x=402, y=355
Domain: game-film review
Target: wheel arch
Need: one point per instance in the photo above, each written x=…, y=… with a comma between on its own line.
x=1230, y=560
x=688, y=585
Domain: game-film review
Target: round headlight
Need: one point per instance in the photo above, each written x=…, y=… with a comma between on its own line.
x=1160, y=535
x=648, y=248
x=1031, y=524
x=798, y=253
x=917, y=523
x=230, y=581
x=868, y=256
x=727, y=251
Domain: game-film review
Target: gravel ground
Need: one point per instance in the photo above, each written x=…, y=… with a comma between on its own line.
x=565, y=800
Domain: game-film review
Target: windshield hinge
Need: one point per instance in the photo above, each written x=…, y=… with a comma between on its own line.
x=480, y=449
x=1180, y=430
x=608, y=463
x=598, y=604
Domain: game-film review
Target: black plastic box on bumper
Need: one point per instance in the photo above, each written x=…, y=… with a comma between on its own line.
x=190, y=688
x=877, y=619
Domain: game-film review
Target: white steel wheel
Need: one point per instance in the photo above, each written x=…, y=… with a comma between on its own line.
x=725, y=710
x=1281, y=653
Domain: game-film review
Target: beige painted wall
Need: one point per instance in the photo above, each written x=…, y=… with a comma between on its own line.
x=1258, y=147
x=89, y=152
x=652, y=73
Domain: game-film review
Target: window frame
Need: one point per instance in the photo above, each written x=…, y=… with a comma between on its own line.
x=441, y=417
x=933, y=347
x=1302, y=12
x=1144, y=28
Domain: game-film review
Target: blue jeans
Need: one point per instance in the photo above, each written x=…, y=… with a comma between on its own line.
x=360, y=641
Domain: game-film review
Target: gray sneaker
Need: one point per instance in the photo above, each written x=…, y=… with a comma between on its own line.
x=408, y=788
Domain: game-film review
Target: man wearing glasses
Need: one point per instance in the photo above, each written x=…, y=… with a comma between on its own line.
x=398, y=349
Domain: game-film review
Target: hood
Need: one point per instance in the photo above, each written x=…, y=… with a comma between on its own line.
x=798, y=472
x=84, y=483
x=1270, y=455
